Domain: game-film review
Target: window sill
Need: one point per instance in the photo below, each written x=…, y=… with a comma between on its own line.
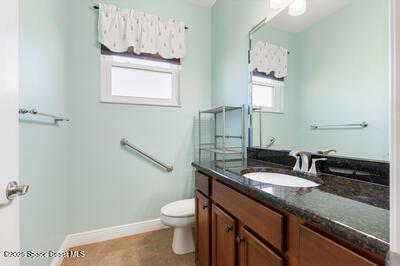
x=141, y=104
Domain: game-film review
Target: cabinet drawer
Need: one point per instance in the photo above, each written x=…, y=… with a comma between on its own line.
x=316, y=250
x=262, y=220
x=202, y=183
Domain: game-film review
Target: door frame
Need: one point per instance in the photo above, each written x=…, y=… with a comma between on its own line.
x=9, y=162
x=394, y=16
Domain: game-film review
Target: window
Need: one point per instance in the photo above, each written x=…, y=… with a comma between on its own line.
x=267, y=94
x=135, y=80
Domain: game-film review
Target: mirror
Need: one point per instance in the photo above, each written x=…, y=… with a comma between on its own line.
x=320, y=80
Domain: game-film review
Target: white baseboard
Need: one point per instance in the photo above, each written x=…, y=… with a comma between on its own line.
x=109, y=233
x=64, y=247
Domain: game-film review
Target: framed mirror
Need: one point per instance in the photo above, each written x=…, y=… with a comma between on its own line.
x=316, y=86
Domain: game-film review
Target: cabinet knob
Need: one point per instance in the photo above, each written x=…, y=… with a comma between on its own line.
x=205, y=206
x=228, y=228
x=239, y=240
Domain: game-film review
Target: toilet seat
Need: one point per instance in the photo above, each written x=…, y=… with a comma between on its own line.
x=177, y=221
x=179, y=209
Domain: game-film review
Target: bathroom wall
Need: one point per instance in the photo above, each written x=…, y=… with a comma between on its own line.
x=110, y=186
x=43, y=147
x=362, y=94
x=344, y=74
x=80, y=179
x=281, y=126
x=231, y=22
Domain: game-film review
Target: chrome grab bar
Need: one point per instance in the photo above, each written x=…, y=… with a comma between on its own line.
x=125, y=142
x=35, y=112
x=360, y=125
x=271, y=142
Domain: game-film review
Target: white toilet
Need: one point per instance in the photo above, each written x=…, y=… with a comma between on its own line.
x=180, y=215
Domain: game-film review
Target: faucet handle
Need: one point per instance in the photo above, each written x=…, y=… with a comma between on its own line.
x=327, y=152
x=295, y=155
x=313, y=169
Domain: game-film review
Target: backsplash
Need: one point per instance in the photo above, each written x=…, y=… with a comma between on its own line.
x=366, y=170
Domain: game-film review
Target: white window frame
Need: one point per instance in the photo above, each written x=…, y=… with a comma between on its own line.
x=278, y=87
x=107, y=63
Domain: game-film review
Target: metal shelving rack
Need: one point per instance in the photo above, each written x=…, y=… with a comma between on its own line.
x=223, y=149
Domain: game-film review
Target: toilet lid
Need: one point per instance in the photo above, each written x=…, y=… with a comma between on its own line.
x=181, y=208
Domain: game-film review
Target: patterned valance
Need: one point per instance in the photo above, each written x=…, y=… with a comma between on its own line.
x=268, y=58
x=121, y=28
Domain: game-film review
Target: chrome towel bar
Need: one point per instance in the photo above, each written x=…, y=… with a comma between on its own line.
x=56, y=119
x=344, y=126
x=125, y=142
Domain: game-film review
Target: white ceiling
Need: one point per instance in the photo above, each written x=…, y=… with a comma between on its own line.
x=206, y=3
x=316, y=10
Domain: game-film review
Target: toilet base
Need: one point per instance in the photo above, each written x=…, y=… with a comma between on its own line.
x=183, y=241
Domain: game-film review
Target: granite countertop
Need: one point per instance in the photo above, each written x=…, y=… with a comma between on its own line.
x=357, y=211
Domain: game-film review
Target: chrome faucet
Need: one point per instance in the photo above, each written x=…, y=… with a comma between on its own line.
x=295, y=155
x=305, y=160
x=313, y=169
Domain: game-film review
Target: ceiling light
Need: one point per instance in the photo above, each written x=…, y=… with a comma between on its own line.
x=277, y=4
x=297, y=8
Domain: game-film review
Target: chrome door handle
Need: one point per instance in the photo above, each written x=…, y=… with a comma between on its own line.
x=13, y=190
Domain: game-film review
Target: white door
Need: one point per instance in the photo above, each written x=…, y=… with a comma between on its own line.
x=9, y=210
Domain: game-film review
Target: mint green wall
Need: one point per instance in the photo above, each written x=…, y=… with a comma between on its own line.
x=43, y=148
x=281, y=126
x=360, y=90
x=344, y=78
x=110, y=186
x=231, y=22
x=80, y=178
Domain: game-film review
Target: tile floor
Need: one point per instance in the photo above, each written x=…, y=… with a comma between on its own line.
x=148, y=249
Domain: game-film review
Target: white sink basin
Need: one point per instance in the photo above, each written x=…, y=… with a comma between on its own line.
x=280, y=179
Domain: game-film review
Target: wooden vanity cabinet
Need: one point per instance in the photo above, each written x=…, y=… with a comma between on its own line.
x=223, y=238
x=315, y=250
x=267, y=223
x=203, y=229
x=253, y=252
x=233, y=229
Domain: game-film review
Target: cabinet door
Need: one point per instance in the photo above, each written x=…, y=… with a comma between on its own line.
x=223, y=238
x=316, y=249
x=252, y=252
x=203, y=226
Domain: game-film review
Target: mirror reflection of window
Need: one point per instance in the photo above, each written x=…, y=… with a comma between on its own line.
x=263, y=96
x=335, y=77
x=267, y=94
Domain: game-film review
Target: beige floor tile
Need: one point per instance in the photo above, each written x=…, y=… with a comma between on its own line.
x=148, y=249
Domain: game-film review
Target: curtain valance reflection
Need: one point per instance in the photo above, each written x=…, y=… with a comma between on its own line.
x=268, y=58
x=121, y=28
